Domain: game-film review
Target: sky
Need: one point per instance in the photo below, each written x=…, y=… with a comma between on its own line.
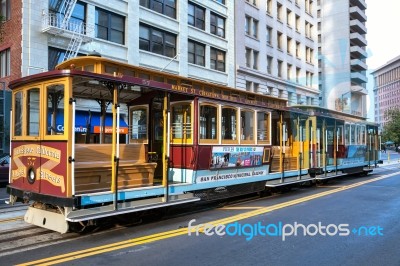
x=383, y=31
x=383, y=40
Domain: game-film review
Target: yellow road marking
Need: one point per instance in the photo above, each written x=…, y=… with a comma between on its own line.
x=19, y=218
x=328, y=186
x=240, y=208
x=184, y=231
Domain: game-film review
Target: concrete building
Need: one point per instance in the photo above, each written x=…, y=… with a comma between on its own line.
x=276, y=45
x=342, y=55
x=386, y=89
x=269, y=47
x=188, y=38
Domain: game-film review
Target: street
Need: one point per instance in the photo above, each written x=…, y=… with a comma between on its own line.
x=349, y=221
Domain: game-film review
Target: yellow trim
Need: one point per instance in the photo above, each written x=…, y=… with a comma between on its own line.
x=183, y=140
x=114, y=141
x=131, y=110
x=165, y=143
x=44, y=101
x=230, y=141
x=217, y=124
x=247, y=141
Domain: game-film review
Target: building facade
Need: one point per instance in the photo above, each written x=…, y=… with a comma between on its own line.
x=386, y=89
x=180, y=37
x=10, y=63
x=342, y=55
x=276, y=49
x=188, y=38
x=292, y=49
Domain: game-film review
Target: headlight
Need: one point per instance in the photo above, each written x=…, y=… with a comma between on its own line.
x=31, y=176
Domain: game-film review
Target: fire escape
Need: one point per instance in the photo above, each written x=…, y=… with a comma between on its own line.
x=60, y=24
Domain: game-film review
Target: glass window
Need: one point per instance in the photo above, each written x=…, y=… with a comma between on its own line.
x=5, y=65
x=269, y=35
x=78, y=15
x=263, y=127
x=255, y=28
x=181, y=121
x=363, y=133
x=339, y=135
x=32, y=112
x=269, y=6
x=157, y=41
x=255, y=59
x=208, y=122
x=110, y=26
x=217, y=25
x=166, y=7
x=196, y=53
x=56, y=56
x=247, y=125
x=55, y=111
x=228, y=123
x=347, y=134
x=139, y=123
x=196, y=16
x=247, y=24
x=217, y=59
x=6, y=9
x=269, y=64
x=18, y=107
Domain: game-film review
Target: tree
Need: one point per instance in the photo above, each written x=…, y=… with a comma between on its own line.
x=391, y=131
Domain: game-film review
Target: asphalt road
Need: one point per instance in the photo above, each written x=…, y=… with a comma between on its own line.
x=346, y=222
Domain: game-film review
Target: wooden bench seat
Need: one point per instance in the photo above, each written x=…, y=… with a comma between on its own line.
x=93, y=167
x=290, y=162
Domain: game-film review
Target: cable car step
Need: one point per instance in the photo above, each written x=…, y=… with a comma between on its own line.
x=128, y=207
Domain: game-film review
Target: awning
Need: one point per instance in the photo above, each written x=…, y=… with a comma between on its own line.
x=85, y=120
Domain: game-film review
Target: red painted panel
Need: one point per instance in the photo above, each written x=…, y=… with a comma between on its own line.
x=204, y=157
x=47, y=159
x=182, y=156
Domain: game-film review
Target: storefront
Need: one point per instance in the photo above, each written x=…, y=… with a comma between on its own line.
x=87, y=121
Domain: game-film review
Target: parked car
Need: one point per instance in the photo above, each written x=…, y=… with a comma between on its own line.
x=4, y=166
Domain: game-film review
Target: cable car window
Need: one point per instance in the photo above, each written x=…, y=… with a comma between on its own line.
x=32, y=112
x=347, y=134
x=139, y=122
x=340, y=135
x=363, y=133
x=18, y=106
x=247, y=125
x=263, y=126
x=55, y=110
x=228, y=123
x=208, y=122
x=181, y=121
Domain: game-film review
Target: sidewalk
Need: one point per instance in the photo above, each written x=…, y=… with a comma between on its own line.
x=390, y=158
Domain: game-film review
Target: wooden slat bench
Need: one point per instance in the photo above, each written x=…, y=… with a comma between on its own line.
x=290, y=162
x=93, y=166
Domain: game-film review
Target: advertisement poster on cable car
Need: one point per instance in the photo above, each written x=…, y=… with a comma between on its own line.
x=234, y=157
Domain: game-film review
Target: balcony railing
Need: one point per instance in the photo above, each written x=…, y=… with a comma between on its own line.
x=356, y=12
x=358, y=39
x=54, y=24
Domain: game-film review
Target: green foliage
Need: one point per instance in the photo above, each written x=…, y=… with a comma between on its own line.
x=391, y=131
